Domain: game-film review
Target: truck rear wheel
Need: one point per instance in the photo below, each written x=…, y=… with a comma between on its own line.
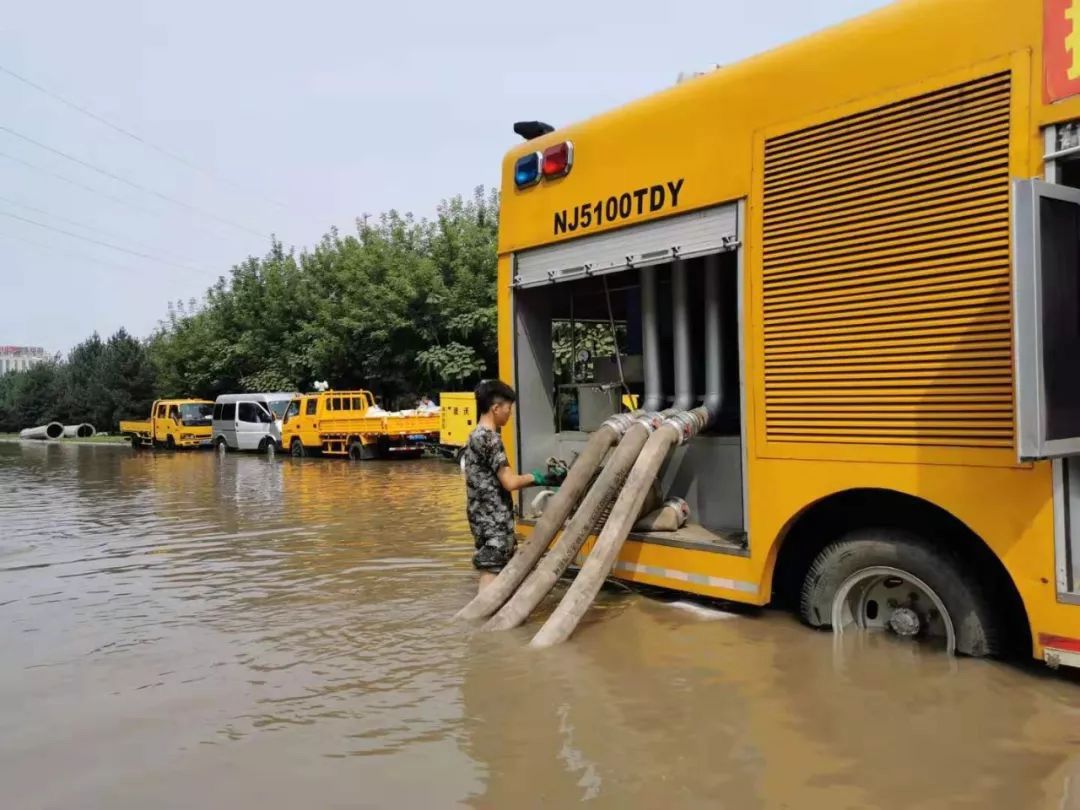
x=356, y=450
x=893, y=581
x=297, y=449
x=136, y=443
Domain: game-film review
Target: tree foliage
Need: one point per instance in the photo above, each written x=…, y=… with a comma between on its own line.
x=402, y=306
x=100, y=382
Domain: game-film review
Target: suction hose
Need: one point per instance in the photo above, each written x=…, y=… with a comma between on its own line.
x=581, y=472
x=600, y=494
x=674, y=431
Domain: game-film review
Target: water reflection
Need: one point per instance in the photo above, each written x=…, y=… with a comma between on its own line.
x=193, y=630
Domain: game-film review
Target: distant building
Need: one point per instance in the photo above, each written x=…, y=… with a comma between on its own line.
x=20, y=358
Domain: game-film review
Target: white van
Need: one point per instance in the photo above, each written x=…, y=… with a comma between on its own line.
x=249, y=421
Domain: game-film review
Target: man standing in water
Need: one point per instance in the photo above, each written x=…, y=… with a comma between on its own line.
x=489, y=481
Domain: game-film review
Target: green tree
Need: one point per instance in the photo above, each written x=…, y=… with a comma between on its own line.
x=128, y=376
x=400, y=306
x=83, y=390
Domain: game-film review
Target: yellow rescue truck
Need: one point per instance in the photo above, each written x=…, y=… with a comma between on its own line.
x=173, y=423
x=348, y=423
x=860, y=253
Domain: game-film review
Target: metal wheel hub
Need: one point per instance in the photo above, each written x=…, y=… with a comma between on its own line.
x=905, y=622
x=893, y=600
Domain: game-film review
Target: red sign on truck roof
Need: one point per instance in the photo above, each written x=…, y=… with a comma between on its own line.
x=1061, y=49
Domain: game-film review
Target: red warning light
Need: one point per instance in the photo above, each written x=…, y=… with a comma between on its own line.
x=558, y=159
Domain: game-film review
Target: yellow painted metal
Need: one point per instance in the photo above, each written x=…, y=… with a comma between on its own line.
x=457, y=413
x=336, y=419
x=879, y=175
x=160, y=427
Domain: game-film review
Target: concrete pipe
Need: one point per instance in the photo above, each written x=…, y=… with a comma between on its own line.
x=674, y=431
x=53, y=430
x=606, y=488
x=555, y=513
x=83, y=431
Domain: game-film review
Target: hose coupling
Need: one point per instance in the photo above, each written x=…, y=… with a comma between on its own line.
x=651, y=421
x=620, y=423
x=687, y=423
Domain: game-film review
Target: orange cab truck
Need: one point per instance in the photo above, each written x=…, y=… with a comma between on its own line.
x=173, y=423
x=348, y=423
x=868, y=240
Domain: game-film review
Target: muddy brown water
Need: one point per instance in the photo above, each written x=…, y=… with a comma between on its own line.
x=179, y=630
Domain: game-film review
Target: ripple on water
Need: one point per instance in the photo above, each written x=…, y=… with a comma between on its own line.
x=183, y=630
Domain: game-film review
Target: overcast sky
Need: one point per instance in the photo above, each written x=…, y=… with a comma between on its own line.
x=298, y=116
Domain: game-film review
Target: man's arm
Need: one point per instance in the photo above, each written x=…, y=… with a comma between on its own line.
x=512, y=482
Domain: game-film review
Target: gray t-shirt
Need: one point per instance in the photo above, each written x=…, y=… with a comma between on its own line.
x=490, y=507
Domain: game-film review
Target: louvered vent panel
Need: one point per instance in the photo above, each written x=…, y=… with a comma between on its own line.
x=886, y=275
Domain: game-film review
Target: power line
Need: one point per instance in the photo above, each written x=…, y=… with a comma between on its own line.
x=76, y=183
x=76, y=254
x=95, y=241
x=138, y=138
x=77, y=224
x=91, y=189
x=131, y=183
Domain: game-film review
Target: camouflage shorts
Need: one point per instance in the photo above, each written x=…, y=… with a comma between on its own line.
x=494, y=553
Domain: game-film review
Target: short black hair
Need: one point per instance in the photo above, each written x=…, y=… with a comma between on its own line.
x=488, y=392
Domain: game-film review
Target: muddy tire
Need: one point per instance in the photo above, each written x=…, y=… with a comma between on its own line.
x=906, y=584
x=170, y=443
x=136, y=443
x=356, y=450
x=297, y=449
x=221, y=446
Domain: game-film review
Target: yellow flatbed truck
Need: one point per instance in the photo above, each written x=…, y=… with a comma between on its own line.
x=886, y=215
x=348, y=423
x=173, y=423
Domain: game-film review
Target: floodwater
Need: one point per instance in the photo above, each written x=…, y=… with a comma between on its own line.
x=182, y=630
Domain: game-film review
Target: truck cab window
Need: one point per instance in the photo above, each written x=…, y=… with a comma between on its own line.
x=293, y=409
x=195, y=414
x=312, y=406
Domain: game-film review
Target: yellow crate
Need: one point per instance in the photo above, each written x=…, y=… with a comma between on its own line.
x=457, y=418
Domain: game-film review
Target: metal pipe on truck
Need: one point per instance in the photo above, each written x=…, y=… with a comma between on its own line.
x=675, y=430
x=716, y=398
x=650, y=341
x=680, y=325
x=53, y=430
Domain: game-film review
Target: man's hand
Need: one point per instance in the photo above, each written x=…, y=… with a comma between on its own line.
x=553, y=476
